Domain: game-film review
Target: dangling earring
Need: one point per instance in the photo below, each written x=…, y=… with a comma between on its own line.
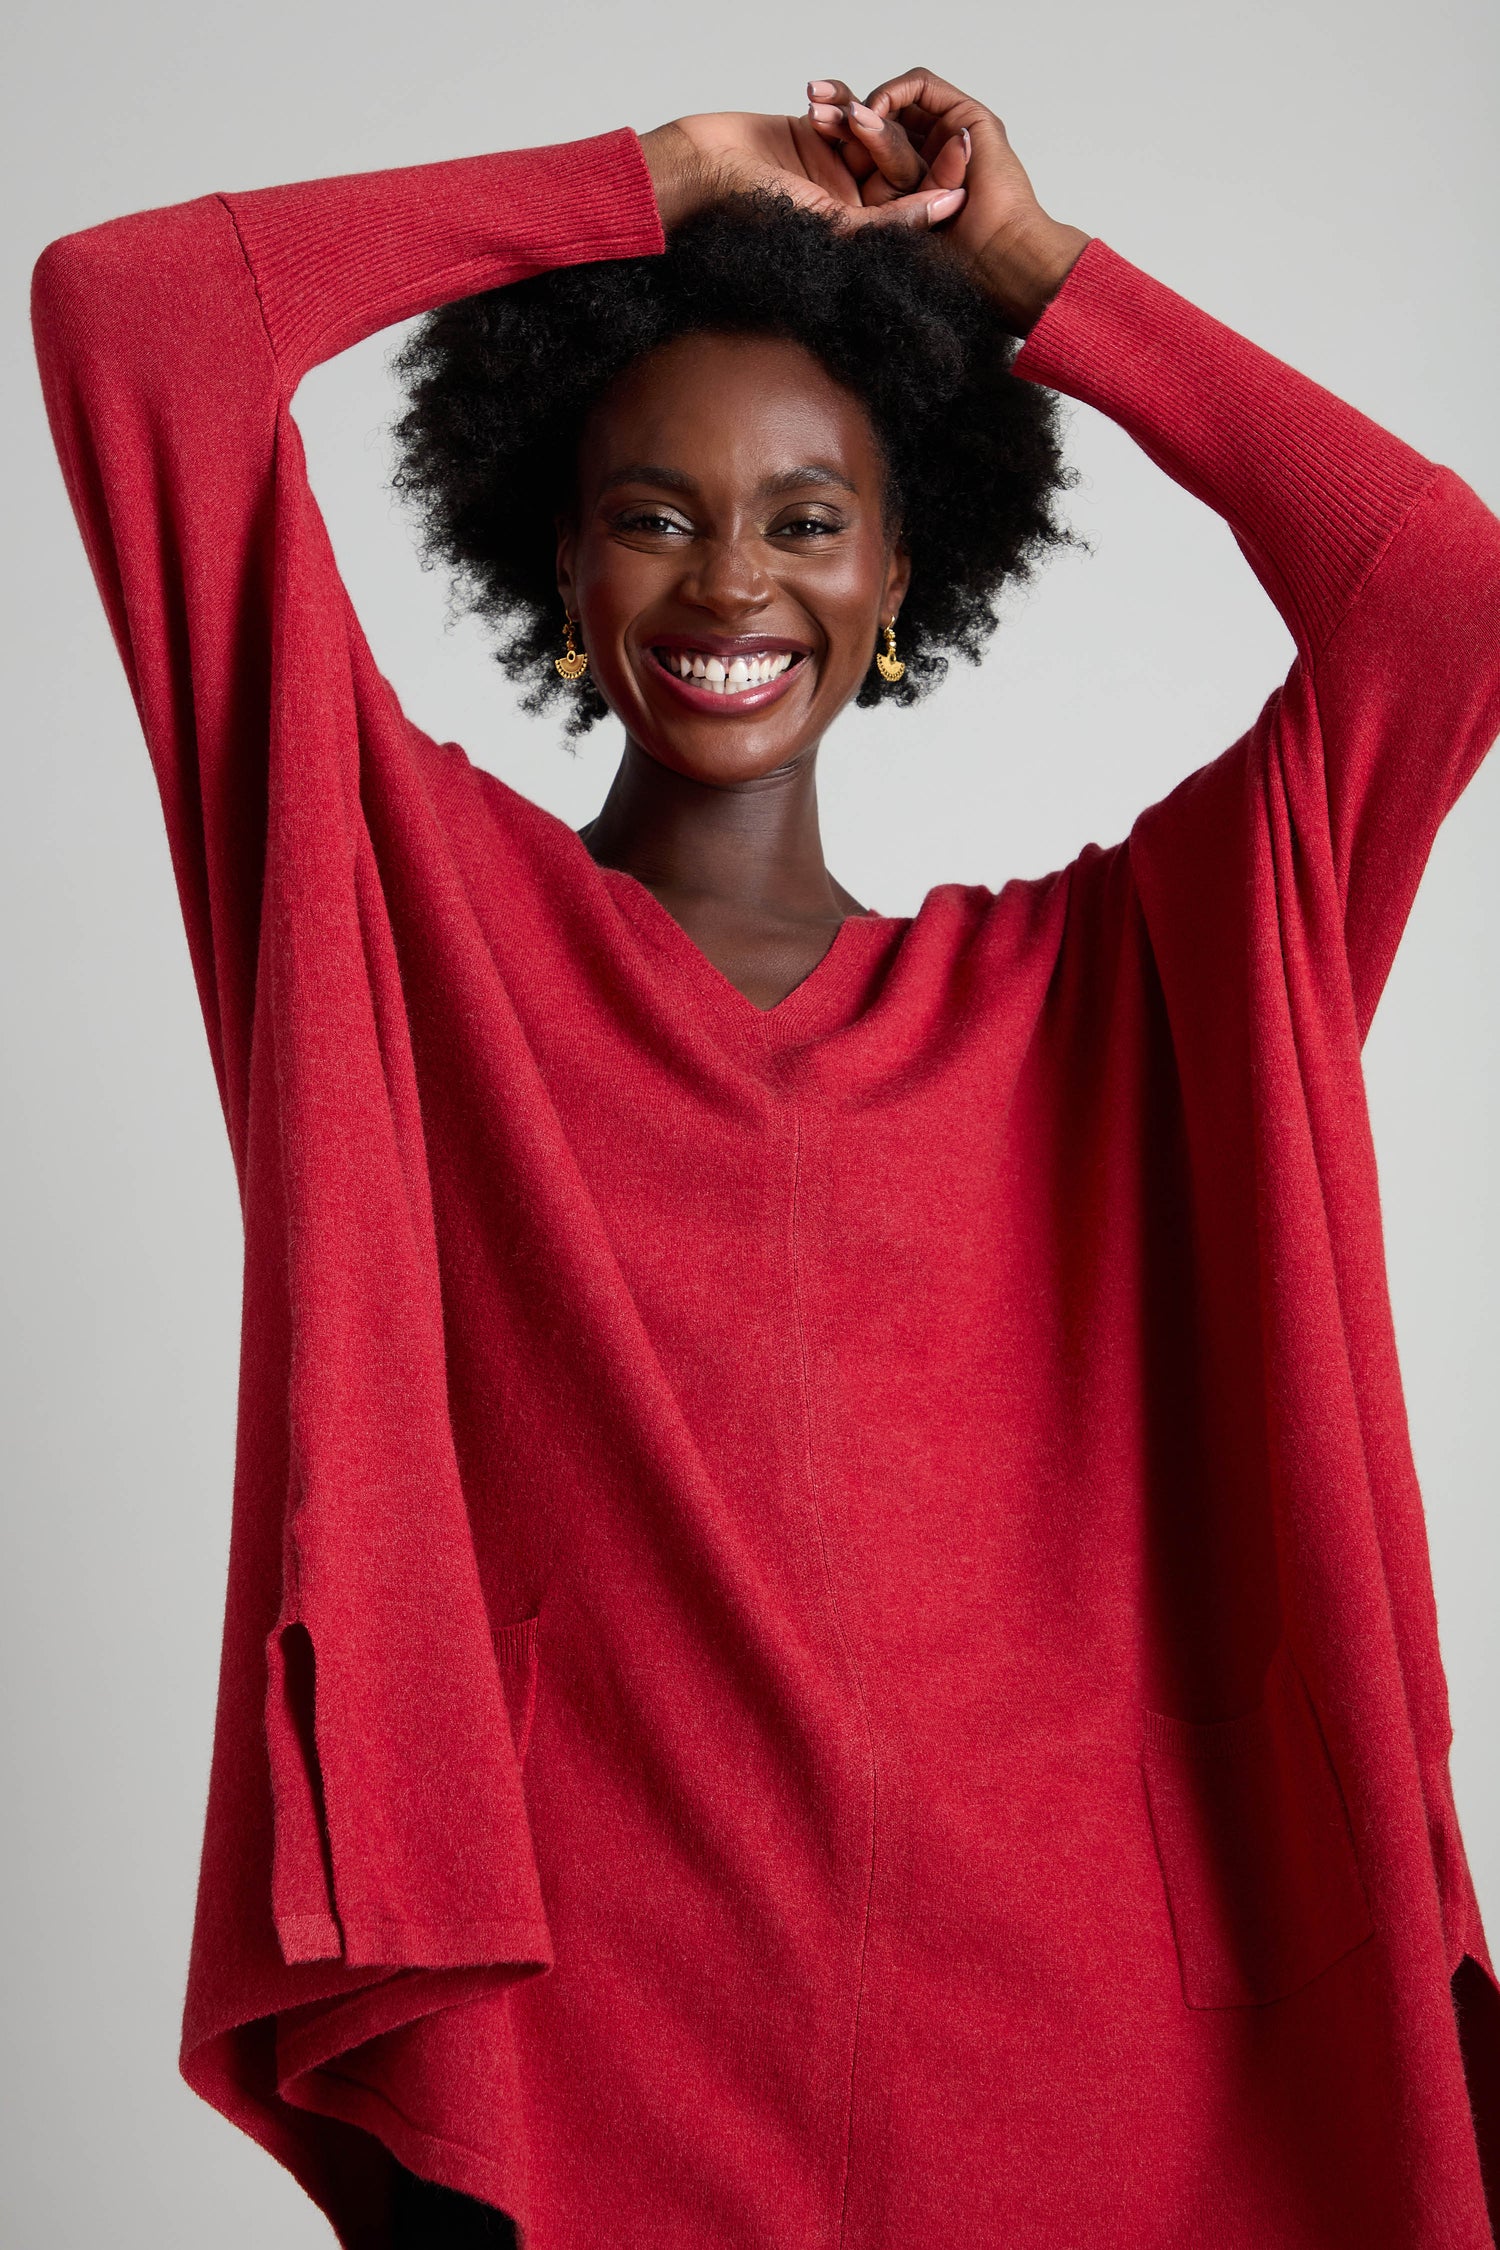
x=890, y=665
x=574, y=663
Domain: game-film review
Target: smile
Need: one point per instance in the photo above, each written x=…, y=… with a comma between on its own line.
x=726, y=679
x=723, y=680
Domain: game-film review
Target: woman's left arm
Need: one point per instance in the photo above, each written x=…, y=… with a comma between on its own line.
x=1385, y=567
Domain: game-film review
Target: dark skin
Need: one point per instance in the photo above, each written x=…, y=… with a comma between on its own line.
x=731, y=505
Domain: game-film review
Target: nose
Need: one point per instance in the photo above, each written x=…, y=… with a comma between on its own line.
x=727, y=579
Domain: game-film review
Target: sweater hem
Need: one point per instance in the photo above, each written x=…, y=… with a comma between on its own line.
x=382, y=1942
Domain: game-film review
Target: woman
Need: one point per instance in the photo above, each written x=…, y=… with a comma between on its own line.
x=835, y=1485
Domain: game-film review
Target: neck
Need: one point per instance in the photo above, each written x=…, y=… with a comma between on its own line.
x=754, y=846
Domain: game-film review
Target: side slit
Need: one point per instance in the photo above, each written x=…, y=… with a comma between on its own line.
x=1476, y=2004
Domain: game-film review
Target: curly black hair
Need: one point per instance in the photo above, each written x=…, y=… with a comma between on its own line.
x=499, y=388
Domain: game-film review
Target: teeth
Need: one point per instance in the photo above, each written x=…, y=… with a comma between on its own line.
x=740, y=673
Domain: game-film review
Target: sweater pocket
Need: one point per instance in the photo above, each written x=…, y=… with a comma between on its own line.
x=515, y=1660
x=1255, y=1847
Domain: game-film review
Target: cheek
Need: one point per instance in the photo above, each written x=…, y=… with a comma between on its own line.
x=615, y=584
x=861, y=569
x=849, y=599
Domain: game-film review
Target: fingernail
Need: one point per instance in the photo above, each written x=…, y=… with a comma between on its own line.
x=863, y=116
x=968, y=145
x=823, y=114
x=820, y=90
x=943, y=206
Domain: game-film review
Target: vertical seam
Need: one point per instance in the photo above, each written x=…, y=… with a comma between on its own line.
x=804, y=1358
x=265, y=319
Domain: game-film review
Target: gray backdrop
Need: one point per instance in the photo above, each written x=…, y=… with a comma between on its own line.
x=1321, y=173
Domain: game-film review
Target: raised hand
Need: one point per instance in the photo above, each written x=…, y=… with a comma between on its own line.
x=903, y=138
x=696, y=158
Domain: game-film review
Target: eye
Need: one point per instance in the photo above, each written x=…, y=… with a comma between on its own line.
x=655, y=522
x=808, y=527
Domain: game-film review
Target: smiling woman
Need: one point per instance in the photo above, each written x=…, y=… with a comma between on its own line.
x=829, y=1639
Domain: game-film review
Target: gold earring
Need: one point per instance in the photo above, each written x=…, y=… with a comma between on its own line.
x=889, y=663
x=575, y=663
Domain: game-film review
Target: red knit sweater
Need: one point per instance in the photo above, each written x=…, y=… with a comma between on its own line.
x=873, y=1542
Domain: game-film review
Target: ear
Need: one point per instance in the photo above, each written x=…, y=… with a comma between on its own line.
x=897, y=579
x=567, y=535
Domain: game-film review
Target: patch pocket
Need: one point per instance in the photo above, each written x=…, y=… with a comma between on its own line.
x=1255, y=1848
x=515, y=1660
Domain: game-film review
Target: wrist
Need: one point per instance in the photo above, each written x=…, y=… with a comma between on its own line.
x=1024, y=268
x=676, y=172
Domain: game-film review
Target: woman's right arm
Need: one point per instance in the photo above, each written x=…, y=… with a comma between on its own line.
x=170, y=344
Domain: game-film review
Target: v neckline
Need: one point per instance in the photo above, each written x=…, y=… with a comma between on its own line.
x=822, y=1001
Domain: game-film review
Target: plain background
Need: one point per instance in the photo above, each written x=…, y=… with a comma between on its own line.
x=1321, y=173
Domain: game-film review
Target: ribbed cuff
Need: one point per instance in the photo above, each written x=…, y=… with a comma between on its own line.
x=1312, y=485
x=335, y=260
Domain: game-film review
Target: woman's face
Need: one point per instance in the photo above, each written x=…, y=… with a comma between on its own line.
x=731, y=564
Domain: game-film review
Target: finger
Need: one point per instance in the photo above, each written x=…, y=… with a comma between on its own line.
x=827, y=161
x=900, y=167
x=921, y=89
x=826, y=104
x=915, y=121
x=924, y=209
x=827, y=99
x=933, y=111
x=949, y=167
x=830, y=126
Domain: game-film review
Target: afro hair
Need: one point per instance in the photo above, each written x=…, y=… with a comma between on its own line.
x=499, y=388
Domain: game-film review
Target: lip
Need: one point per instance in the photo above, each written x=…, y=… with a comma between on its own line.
x=733, y=644
x=747, y=701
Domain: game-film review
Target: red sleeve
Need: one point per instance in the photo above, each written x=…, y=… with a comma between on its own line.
x=169, y=344
x=1385, y=567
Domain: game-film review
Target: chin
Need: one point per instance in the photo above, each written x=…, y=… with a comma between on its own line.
x=725, y=756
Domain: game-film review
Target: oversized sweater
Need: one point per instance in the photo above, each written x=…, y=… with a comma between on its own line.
x=829, y=1639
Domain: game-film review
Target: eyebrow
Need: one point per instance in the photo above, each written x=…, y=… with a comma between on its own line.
x=676, y=480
